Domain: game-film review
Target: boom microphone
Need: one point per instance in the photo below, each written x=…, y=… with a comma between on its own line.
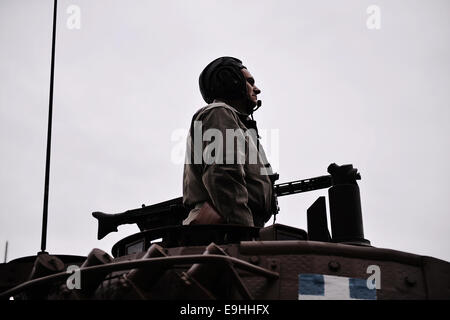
x=258, y=105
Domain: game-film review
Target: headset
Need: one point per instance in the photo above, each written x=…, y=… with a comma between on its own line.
x=222, y=78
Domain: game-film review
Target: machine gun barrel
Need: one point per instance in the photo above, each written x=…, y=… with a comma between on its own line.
x=284, y=189
x=172, y=212
x=159, y=215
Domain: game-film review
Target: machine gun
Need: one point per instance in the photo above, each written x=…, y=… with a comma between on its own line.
x=172, y=212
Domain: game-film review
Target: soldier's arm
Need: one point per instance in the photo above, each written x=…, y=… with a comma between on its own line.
x=224, y=182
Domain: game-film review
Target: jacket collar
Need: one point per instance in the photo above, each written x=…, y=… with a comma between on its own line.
x=220, y=102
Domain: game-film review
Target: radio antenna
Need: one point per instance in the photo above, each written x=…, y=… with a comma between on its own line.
x=49, y=135
x=6, y=251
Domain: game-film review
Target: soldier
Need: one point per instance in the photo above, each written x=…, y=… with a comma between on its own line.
x=226, y=178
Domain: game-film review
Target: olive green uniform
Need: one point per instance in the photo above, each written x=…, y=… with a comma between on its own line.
x=241, y=192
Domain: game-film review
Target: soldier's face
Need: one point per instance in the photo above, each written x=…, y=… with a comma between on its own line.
x=252, y=90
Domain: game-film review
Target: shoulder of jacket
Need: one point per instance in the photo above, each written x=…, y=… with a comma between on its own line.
x=216, y=106
x=220, y=105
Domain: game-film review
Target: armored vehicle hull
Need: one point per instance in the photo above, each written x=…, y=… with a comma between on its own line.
x=213, y=262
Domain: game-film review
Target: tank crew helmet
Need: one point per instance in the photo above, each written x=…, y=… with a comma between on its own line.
x=223, y=78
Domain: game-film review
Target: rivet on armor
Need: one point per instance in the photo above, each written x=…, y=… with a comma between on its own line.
x=411, y=282
x=254, y=259
x=334, y=265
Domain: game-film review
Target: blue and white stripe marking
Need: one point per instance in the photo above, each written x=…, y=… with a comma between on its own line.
x=325, y=287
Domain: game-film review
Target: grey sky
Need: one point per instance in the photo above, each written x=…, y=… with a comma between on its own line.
x=128, y=79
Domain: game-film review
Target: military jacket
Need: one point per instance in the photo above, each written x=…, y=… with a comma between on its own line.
x=226, y=166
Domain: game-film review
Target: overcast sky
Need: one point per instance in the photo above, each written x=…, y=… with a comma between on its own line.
x=126, y=87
